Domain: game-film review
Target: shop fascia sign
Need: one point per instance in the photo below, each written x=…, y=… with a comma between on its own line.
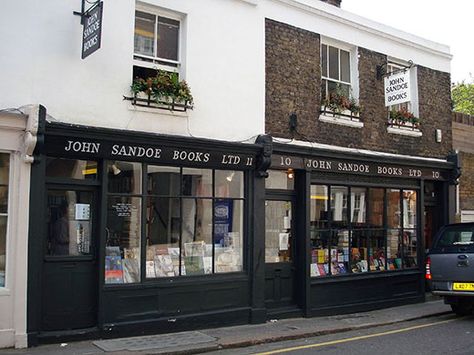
x=91, y=20
x=397, y=87
x=357, y=167
x=84, y=148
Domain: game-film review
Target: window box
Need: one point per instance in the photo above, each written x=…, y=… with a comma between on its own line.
x=163, y=91
x=403, y=122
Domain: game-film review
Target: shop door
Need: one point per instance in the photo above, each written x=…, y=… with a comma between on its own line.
x=69, y=299
x=279, y=255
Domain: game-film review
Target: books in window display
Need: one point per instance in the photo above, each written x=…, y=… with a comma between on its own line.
x=322, y=268
x=314, y=271
x=194, y=265
x=164, y=266
x=194, y=248
x=113, y=269
x=131, y=270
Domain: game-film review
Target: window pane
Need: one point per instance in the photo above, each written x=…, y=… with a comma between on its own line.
x=394, y=261
x=345, y=89
x=278, y=231
x=339, y=205
x=332, y=87
x=359, y=251
x=69, y=222
x=409, y=209
x=278, y=179
x=377, y=251
x=144, y=33
x=333, y=63
x=393, y=208
x=122, y=252
x=320, y=252
x=167, y=40
x=324, y=60
x=375, y=213
x=162, y=237
x=340, y=252
x=3, y=199
x=319, y=214
x=228, y=232
x=197, y=182
x=70, y=168
x=197, y=236
x=4, y=176
x=409, y=249
x=229, y=183
x=124, y=177
x=163, y=180
x=3, y=249
x=345, y=67
x=358, y=205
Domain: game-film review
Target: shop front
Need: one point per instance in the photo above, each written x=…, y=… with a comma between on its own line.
x=357, y=240
x=136, y=234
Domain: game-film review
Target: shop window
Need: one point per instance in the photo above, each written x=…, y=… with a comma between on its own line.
x=193, y=221
x=4, y=182
x=71, y=169
x=367, y=237
x=280, y=179
x=338, y=99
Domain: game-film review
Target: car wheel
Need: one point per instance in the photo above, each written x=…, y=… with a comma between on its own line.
x=462, y=308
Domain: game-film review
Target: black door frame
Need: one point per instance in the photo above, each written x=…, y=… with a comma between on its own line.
x=85, y=186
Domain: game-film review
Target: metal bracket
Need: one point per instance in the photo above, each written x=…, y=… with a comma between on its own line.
x=85, y=13
x=381, y=70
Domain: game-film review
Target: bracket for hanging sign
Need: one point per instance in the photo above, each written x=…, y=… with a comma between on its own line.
x=381, y=69
x=91, y=19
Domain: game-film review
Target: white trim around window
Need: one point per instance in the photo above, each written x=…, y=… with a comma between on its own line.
x=154, y=61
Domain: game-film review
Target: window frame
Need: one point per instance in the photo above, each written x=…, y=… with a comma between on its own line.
x=145, y=196
x=353, y=69
x=155, y=62
x=331, y=229
x=7, y=214
x=412, y=106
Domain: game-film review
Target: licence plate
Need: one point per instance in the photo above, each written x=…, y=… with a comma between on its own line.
x=463, y=286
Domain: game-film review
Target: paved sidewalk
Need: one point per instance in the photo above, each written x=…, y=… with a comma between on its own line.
x=244, y=335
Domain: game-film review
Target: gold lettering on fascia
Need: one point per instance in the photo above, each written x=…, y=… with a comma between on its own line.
x=183, y=155
x=135, y=151
x=82, y=147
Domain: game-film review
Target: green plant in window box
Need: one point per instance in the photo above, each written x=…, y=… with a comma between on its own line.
x=165, y=90
x=402, y=117
x=339, y=103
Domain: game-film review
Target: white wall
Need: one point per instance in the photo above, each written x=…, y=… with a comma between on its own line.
x=41, y=63
x=13, y=295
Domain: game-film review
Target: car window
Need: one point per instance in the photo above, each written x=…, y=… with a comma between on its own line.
x=455, y=237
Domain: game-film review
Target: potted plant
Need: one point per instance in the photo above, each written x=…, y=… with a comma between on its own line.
x=162, y=91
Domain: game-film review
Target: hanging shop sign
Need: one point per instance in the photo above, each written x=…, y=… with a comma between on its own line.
x=397, y=88
x=92, y=32
x=358, y=167
x=158, y=154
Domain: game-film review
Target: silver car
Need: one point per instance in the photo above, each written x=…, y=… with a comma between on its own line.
x=450, y=266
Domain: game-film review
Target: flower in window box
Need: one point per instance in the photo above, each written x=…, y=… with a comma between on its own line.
x=402, y=117
x=339, y=103
x=162, y=90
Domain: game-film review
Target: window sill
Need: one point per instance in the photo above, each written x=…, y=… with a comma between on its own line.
x=4, y=292
x=340, y=120
x=404, y=131
x=158, y=111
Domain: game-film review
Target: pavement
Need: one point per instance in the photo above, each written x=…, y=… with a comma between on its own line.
x=205, y=340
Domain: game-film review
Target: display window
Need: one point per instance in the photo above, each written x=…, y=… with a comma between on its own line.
x=188, y=221
x=362, y=229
